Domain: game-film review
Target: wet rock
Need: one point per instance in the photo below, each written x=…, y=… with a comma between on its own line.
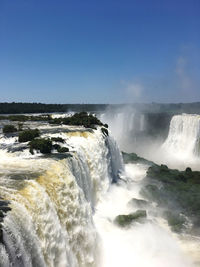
x=175, y=220
x=126, y=220
x=4, y=203
x=5, y=208
x=141, y=203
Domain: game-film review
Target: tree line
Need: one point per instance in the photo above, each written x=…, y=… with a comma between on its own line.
x=20, y=108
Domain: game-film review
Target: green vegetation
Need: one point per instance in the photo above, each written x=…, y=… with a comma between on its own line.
x=126, y=220
x=104, y=131
x=17, y=108
x=9, y=128
x=175, y=189
x=134, y=158
x=175, y=220
x=42, y=145
x=141, y=203
x=45, y=146
x=60, y=149
x=63, y=149
x=170, y=176
x=28, y=135
x=20, y=126
x=23, y=118
x=56, y=146
x=78, y=119
x=152, y=192
x=82, y=119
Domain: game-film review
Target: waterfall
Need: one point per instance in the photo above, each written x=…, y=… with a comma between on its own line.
x=126, y=125
x=184, y=136
x=52, y=200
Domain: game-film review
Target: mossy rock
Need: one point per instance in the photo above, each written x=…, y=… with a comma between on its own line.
x=151, y=192
x=126, y=220
x=141, y=203
x=43, y=145
x=175, y=220
x=28, y=135
x=9, y=128
x=134, y=158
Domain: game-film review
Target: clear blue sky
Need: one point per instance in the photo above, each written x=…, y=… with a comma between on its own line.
x=106, y=51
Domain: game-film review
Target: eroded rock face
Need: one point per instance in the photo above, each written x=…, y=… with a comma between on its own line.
x=4, y=208
x=126, y=220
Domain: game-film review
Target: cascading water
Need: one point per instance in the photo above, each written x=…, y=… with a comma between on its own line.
x=184, y=136
x=150, y=244
x=63, y=209
x=126, y=125
x=50, y=222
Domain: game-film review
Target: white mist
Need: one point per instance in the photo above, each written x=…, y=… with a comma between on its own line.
x=151, y=244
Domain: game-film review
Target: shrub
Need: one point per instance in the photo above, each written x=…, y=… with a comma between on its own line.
x=20, y=126
x=56, y=146
x=17, y=118
x=63, y=149
x=104, y=131
x=28, y=135
x=60, y=149
x=9, y=128
x=42, y=145
x=82, y=118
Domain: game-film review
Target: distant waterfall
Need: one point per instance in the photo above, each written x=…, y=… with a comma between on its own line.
x=184, y=135
x=50, y=222
x=124, y=125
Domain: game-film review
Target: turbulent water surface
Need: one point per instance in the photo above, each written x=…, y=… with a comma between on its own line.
x=63, y=207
